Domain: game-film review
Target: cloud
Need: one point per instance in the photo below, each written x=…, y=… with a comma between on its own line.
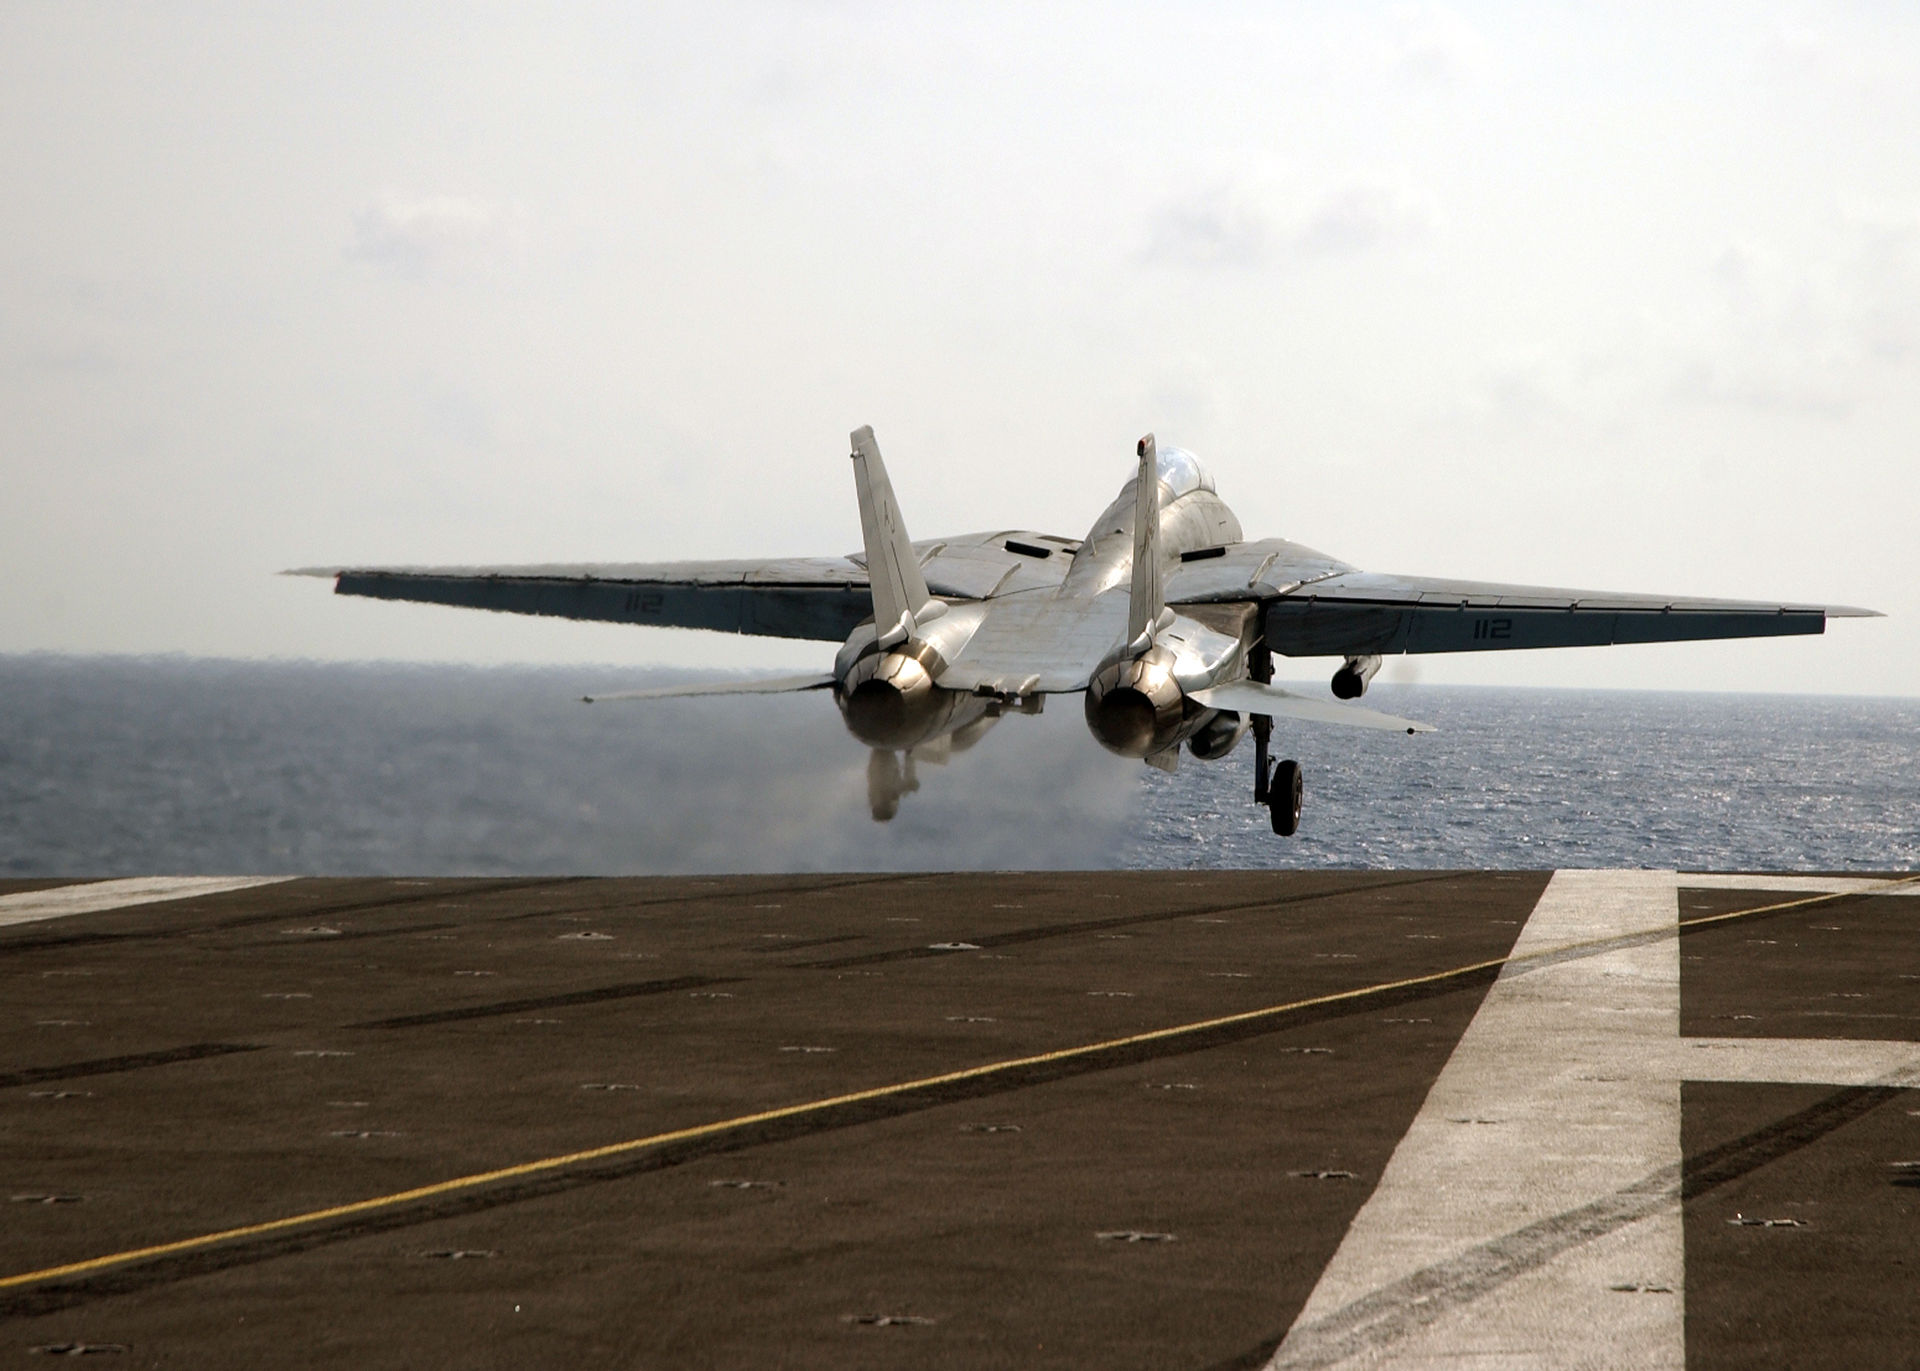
x=1711, y=381
x=1792, y=49
x=452, y=413
x=1883, y=279
x=412, y=237
x=1228, y=228
x=1216, y=228
x=89, y=359
x=1360, y=217
x=1436, y=44
x=1813, y=333
x=1808, y=333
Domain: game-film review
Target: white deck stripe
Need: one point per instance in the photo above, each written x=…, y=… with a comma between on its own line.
x=1543, y=1171
x=30, y=906
x=1543, y=1168
x=1804, y=885
x=1790, y=1061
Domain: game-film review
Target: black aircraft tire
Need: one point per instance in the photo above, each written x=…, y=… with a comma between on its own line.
x=1283, y=798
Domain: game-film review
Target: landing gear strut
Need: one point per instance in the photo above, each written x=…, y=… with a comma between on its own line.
x=1275, y=785
x=1278, y=787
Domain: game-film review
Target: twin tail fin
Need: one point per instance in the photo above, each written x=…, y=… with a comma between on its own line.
x=900, y=597
x=1147, y=597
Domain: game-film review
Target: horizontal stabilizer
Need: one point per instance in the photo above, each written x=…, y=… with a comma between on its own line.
x=1251, y=697
x=767, y=685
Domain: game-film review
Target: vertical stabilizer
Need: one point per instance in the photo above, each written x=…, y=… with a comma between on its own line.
x=900, y=596
x=1143, y=609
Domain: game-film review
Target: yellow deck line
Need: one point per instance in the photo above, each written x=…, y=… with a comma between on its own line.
x=705, y=1130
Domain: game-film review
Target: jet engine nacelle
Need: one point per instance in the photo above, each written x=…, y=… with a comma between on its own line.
x=1350, y=681
x=889, y=700
x=1136, y=708
x=889, y=696
x=1218, y=736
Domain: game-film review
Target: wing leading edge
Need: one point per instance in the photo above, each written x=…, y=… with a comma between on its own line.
x=820, y=599
x=1361, y=613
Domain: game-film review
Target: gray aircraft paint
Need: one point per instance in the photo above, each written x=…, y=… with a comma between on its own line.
x=1312, y=604
x=1163, y=585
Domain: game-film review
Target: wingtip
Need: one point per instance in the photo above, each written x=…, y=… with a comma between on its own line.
x=1853, y=612
x=329, y=572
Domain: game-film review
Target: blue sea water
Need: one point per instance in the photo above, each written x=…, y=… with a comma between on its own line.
x=1558, y=778
x=118, y=766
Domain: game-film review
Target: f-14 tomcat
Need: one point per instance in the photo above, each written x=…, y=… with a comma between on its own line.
x=1163, y=618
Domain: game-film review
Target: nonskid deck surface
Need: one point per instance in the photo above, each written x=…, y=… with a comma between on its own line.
x=1154, y=1119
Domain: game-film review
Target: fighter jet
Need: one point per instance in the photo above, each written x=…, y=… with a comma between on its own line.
x=1163, y=618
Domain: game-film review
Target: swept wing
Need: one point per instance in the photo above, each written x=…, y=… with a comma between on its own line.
x=817, y=598
x=1315, y=606
x=1357, y=613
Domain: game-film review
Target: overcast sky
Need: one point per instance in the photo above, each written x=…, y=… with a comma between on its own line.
x=1617, y=297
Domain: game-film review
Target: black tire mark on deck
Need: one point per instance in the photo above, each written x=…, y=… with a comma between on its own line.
x=456, y=891
x=54, y=1296
x=103, y=1066
x=315, y=911
x=614, y=906
x=626, y=991
x=1043, y=931
x=1380, y=1318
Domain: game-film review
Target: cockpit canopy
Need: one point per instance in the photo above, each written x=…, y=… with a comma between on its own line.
x=1181, y=472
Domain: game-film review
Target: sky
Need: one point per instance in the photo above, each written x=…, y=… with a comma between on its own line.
x=1622, y=297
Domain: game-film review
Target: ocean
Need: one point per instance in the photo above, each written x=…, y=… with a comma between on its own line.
x=120, y=766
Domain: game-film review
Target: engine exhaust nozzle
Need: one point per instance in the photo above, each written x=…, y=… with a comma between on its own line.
x=1135, y=708
x=888, y=701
